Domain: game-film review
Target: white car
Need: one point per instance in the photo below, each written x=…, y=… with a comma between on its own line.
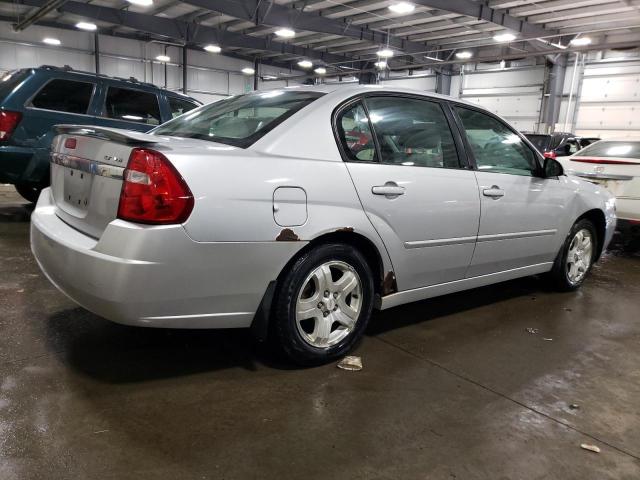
x=298, y=211
x=614, y=164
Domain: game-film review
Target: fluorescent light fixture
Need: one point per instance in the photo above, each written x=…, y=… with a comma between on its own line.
x=463, y=55
x=385, y=53
x=402, y=7
x=305, y=64
x=163, y=58
x=320, y=70
x=141, y=3
x=135, y=118
x=248, y=71
x=212, y=49
x=51, y=41
x=269, y=77
x=89, y=27
x=504, y=37
x=433, y=58
x=381, y=64
x=580, y=41
x=285, y=33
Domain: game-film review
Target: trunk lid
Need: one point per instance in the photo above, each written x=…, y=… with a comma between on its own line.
x=621, y=176
x=87, y=166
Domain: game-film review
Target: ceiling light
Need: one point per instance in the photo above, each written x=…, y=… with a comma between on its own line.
x=305, y=64
x=89, y=27
x=504, y=37
x=381, y=64
x=580, y=41
x=163, y=58
x=320, y=70
x=212, y=49
x=51, y=41
x=402, y=7
x=464, y=54
x=385, y=53
x=248, y=71
x=141, y=3
x=285, y=33
x=433, y=58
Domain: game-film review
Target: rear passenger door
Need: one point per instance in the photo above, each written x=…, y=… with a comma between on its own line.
x=419, y=195
x=130, y=108
x=521, y=210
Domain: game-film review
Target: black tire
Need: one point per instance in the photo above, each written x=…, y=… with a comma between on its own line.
x=286, y=335
x=559, y=274
x=28, y=191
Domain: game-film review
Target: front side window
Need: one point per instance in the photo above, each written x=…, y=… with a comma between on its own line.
x=496, y=147
x=241, y=120
x=132, y=106
x=412, y=132
x=179, y=106
x=64, y=96
x=355, y=134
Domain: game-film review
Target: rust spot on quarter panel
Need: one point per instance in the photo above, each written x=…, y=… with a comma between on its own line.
x=345, y=229
x=287, y=235
x=389, y=284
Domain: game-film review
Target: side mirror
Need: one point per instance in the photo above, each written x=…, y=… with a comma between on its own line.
x=552, y=168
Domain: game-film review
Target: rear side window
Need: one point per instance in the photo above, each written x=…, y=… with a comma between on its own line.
x=355, y=134
x=67, y=96
x=495, y=146
x=612, y=149
x=241, y=120
x=179, y=106
x=132, y=106
x=412, y=132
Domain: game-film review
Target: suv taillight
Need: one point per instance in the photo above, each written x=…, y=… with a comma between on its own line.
x=550, y=154
x=8, y=122
x=153, y=191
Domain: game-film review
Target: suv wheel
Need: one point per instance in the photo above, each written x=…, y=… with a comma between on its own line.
x=323, y=304
x=576, y=256
x=29, y=191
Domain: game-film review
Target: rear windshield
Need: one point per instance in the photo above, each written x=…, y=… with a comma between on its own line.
x=541, y=142
x=9, y=81
x=612, y=149
x=238, y=121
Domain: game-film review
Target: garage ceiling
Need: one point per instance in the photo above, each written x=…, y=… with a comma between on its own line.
x=346, y=34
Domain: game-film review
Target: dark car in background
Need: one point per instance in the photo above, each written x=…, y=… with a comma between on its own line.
x=559, y=144
x=33, y=100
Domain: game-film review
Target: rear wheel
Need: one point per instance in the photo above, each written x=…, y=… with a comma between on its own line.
x=323, y=304
x=29, y=191
x=576, y=258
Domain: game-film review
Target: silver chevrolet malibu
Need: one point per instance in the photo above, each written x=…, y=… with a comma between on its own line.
x=298, y=211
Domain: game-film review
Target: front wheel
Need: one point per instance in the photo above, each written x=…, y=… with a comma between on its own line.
x=323, y=304
x=576, y=258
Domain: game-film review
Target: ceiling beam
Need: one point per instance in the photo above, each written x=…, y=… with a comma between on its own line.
x=38, y=13
x=187, y=32
x=483, y=12
x=276, y=15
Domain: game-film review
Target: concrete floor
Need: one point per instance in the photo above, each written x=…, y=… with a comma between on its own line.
x=453, y=387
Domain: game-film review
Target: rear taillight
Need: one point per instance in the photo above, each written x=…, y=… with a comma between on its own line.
x=550, y=154
x=8, y=122
x=603, y=162
x=153, y=191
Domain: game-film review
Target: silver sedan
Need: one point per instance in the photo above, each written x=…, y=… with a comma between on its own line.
x=298, y=211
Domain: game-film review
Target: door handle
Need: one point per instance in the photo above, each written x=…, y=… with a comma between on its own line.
x=389, y=190
x=494, y=192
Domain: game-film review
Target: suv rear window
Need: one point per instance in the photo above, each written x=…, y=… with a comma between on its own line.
x=179, y=106
x=132, y=105
x=241, y=120
x=64, y=96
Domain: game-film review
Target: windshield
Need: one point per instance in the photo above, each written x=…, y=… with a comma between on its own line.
x=541, y=142
x=629, y=149
x=241, y=120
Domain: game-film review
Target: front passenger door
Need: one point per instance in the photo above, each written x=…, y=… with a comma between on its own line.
x=520, y=210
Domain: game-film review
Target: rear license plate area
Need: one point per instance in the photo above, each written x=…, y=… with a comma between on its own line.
x=77, y=188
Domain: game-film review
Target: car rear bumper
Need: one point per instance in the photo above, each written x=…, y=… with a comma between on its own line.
x=156, y=276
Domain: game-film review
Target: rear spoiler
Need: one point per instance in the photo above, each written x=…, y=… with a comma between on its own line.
x=115, y=134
